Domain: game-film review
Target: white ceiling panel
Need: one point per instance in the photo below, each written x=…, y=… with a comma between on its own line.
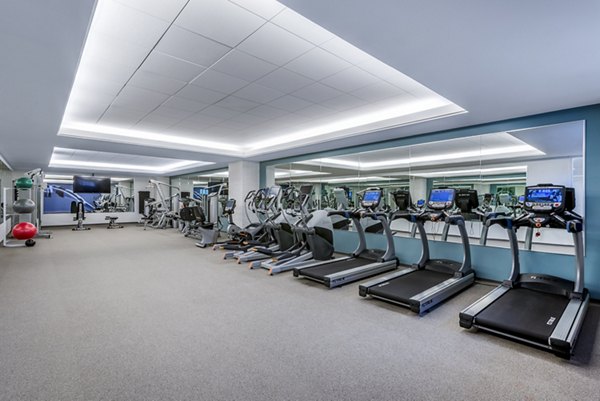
x=203, y=120
x=191, y=47
x=222, y=21
x=290, y=103
x=237, y=104
x=314, y=111
x=163, y=64
x=180, y=103
x=258, y=93
x=248, y=119
x=120, y=116
x=165, y=10
x=344, y=102
x=275, y=45
x=317, y=64
x=140, y=99
x=267, y=111
x=156, y=123
x=347, y=51
x=235, y=125
x=265, y=8
x=127, y=24
x=156, y=82
x=303, y=27
x=199, y=94
x=219, y=112
x=316, y=93
x=170, y=112
x=284, y=80
x=218, y=81
x=244, y=66
x=379, y=91
x=350, y=79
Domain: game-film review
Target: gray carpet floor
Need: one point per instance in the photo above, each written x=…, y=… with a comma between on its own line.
x=144, y=315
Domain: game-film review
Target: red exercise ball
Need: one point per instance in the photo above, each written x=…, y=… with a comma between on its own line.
x=24, y=231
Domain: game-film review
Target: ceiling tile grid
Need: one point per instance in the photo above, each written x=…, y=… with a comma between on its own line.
x=224, y=67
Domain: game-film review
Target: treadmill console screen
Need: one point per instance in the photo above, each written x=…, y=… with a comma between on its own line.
x=544, y=199
x=371, y=199
x=441, y=199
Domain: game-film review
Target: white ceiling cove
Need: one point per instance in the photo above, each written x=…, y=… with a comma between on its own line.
x=227, y=76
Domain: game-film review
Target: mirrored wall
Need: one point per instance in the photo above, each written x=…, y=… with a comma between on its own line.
x=59, y=196
x=498, y=165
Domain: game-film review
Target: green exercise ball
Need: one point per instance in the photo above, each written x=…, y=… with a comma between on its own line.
x=24, y=183
x=23, y=206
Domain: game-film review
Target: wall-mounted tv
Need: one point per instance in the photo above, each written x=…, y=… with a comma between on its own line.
x=91, y=185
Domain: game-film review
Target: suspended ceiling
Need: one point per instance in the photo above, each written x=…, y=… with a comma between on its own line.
x=509, y=60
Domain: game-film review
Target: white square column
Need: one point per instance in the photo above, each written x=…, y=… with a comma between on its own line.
x=244, y=176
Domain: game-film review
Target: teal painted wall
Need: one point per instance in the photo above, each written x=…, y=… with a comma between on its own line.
x=489, y=262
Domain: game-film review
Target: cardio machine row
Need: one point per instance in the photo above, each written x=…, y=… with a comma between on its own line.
x=537, y=309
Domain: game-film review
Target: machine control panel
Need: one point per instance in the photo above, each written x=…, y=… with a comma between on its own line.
x=545, y=199
x=371, y=198
x=441, y=199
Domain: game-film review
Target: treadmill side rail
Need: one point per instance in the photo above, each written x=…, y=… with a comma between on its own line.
x=357, y=273
x=421, y=303
x=563, y=338
x=363, y=289
x=468, y=315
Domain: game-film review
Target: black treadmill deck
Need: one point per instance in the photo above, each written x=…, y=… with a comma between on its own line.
x=319, y=272
x=401, y=289
x=524, y=313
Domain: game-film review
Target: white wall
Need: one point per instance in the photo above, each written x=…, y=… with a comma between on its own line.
x=243, y=177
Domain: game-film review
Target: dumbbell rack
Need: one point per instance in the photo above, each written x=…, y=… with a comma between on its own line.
x=8, y=196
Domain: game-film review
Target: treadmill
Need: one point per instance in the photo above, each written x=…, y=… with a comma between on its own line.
x=537, y=309
x=362, y=262
x=430, y=281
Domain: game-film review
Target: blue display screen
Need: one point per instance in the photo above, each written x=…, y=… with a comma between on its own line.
x=372, y=196
x=544, y=195
x=522, y=198
x=441, y=195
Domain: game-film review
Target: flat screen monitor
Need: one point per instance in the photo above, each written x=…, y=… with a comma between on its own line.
x=91, y=185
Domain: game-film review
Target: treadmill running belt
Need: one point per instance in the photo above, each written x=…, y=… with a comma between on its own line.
x=524, y=313
x=319, y=272
x=401, y=289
